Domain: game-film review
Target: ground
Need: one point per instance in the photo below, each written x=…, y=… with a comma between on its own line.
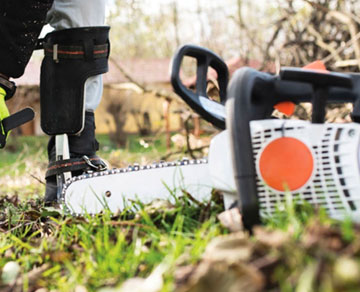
x=184, y=246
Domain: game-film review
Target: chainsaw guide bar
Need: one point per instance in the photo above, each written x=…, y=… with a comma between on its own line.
x=94, y=192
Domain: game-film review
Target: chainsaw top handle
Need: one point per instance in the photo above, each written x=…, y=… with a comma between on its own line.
x=298, y=85
x=252, y=95
x=210, y=110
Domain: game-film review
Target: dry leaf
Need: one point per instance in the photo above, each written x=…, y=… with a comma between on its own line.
x=80, y=288
x=183, y=274
x=153, y=283
x=324, y=237
x=231, y=219
x=271, y=238
x=231, y=248
x=60, y=256
x=220, y=276
x=346, y=271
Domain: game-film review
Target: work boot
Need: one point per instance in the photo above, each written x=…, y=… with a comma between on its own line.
x=80, y=145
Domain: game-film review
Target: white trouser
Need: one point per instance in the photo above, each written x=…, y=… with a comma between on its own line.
x=66, y=14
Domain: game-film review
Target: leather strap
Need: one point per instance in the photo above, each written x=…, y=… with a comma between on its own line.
x=8, y=86
x=74, y=164
x=75, y=52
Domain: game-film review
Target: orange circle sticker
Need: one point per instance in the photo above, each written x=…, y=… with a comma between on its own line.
x=286, y=164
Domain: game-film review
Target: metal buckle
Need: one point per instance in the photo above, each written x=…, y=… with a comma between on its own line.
x=92, y=165
x=55, y=53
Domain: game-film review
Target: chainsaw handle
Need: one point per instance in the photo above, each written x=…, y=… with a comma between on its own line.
x=321, y=82
x=210, y=110
x=316, y=78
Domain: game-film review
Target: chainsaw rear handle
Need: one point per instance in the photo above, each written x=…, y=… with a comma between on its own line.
x=252, y=95
x=199, y=101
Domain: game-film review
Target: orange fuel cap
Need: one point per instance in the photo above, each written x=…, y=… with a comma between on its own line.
x=286, y=164
x=316, y=66
x=287, y=107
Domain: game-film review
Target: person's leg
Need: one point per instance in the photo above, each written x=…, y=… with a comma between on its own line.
x=69, y=17
x=66, y=14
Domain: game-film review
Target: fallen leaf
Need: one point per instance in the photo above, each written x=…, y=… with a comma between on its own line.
x=323, y=237
x=42, y=290
x=270, y=238
x=60, y=256
x=50, y=212
x=32, y=215
x=80, y=288
x=153, y=283
x=220, y=276
x=231, y=219
x=307, y=278
x=230, y=248
x=159, y=206
x=346, y=271
x=183, y=274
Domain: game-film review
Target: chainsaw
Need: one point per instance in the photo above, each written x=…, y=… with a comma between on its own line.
x=257, y=161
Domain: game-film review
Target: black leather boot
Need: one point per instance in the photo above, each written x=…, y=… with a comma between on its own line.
x=80, y=145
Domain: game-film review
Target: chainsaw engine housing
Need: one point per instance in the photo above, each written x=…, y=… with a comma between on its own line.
x=319, y=165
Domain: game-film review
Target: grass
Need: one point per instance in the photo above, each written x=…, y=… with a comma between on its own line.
x=299, y=249
x=92, y=251
x=102, y=250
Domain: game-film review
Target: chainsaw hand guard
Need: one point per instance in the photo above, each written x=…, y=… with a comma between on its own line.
x=199, y=101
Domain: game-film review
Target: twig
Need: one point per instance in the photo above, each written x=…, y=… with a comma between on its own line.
x=321, y=43
x=342, y=48
x=192, y=199
x=36, y=178
x=347, y=63
x=128, y=224
x=188, y=145
x=341, y=16
x=18, y=226
x=348, y=19
x=271, y=42
x=166, y=156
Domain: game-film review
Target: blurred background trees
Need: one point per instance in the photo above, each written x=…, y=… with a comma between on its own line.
x=264, y=34
x=283, y=32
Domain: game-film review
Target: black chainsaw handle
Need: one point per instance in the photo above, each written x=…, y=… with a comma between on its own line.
x=298, y=85
x=199, y=101
x=321, y=83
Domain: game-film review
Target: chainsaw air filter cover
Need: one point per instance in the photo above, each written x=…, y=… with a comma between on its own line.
x=317, y=163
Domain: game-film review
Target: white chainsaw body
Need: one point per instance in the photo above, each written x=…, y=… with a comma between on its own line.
x=115, y=189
